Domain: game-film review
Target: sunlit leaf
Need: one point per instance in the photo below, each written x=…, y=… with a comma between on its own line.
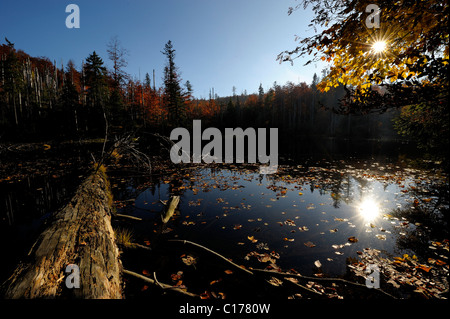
x=353, y=239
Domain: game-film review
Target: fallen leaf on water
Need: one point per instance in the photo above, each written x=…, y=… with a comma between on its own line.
x=292, y=279
x=353, y=239
x=275, y=281
x=188, y=260
x=289, y=222
x=424, y=268
x=309, y=244
x=177, y=276
x=380, y=237
x=317, y=264
x=288, y=239
x=252, y=239
x=228, y=272
x=440, y=262
x=205, y=295
x=215, y=281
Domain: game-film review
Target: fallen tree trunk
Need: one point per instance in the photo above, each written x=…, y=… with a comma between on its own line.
x=170, y=209
x=80, y=234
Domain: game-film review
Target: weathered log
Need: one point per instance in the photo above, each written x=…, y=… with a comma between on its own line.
x=170, y=209
x=80, y=234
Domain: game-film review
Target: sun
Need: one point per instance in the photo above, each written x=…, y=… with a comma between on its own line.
x=369, y=209
x=379, y=46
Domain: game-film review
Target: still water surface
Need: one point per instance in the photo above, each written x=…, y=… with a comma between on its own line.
x=304, y=214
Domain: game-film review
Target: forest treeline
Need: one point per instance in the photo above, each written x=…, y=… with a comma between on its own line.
x=40, y=100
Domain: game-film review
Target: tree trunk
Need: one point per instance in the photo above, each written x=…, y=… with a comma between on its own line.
x=80, y=234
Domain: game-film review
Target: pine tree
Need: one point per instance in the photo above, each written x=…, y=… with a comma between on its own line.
x=147, y=81
x=260, y=92
x=69, y=99
x=188, y=87
x=95, y=80
x=172, y=90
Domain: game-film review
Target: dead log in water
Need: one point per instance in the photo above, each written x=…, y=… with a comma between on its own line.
x=169, y=209
x=80, y=234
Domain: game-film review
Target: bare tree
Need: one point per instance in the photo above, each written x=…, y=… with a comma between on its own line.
x=117, y=54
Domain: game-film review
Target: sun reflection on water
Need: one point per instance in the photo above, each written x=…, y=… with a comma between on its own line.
x=369, y=209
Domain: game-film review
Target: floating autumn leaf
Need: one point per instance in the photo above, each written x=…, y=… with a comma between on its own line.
x=252, y=239
x=228, y=272
x=318, y=264
x=177, y=276
x=215, y=281
x=236, y=227
x=424, y=268
x=289, y=222
x=380, y=237
x=353, y=239
x=303, y=228
x=288, y=239
x=309, y=244
x=275, y=281
x=292, y=279
x=438, y=262
x=205, y=295
x=188, y=260
x=275, y=254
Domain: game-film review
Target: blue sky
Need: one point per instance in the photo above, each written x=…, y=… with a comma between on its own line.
x=219, y=44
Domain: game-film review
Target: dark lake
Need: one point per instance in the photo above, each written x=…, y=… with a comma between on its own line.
x=304, y=214
x=321, y=208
